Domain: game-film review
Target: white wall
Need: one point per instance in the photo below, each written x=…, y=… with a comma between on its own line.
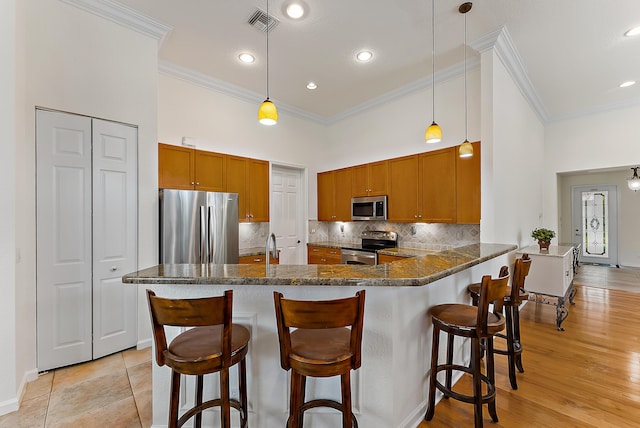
x=512, y=152
x=73, y=61
x=8, y=286
x=606, y=140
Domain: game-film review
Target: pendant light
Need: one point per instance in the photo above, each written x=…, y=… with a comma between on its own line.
x=434, y=133
x=466, y=149
x=267, y=113
x=634, y=182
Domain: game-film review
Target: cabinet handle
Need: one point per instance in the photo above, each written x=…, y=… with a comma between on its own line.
x=197, y=183
x=257, y=259
x=192, y=183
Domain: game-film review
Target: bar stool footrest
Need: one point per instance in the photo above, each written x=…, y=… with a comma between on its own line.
x=486, y=398
x=325, y=403
x=214, y=403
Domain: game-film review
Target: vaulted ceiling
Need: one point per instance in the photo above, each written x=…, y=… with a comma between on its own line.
x=570, y=55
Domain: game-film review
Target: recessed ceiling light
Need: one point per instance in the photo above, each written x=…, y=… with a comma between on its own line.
x=364, y=56
x=246, y=58
x=295, y=10
x=627, y=84
x=633, y=32
x=312, y=85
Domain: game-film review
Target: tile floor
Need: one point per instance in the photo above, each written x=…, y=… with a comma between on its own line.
x=112, y=391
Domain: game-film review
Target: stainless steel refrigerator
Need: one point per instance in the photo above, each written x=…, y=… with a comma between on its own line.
x=198, y=227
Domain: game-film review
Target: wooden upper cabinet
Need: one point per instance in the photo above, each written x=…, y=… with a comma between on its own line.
x=176, y=167
x=437, y=197
x=210, y=171
x=249, y=178
x=185, y=168
x=334, y=195
x=325, y=195
x=258, y=183
x=370, y=179
x=468, y=187
x=403, y=189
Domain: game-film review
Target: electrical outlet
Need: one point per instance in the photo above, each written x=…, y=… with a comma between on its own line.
x=313, y=231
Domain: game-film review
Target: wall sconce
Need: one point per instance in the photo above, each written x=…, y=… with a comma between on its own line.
x=634, y=182
x=342, y=227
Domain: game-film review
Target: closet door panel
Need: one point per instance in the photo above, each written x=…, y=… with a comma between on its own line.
x=114, y=236
x=63, y=233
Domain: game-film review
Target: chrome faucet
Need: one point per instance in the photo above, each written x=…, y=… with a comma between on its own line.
x=273, y=251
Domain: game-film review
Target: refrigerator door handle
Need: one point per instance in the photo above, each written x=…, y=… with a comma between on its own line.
x=204, y=254
x=211, y=236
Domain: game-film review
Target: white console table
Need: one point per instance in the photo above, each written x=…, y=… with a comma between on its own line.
x=550, y=279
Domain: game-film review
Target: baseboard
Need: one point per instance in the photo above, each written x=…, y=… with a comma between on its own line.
x=142, y=344
x=13, y=404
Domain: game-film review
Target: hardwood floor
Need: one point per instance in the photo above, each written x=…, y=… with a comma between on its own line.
x=585, y=376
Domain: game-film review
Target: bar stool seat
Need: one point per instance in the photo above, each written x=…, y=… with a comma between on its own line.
x=212, y=345
x=479, y=325
x=514, y=296
x=320, y=339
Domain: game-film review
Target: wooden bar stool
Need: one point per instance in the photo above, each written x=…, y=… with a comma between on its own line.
x=325, y=341
x=478, y=324
x=213, y=345
x=514, y=295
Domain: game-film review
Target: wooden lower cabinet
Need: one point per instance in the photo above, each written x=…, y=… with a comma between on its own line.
x=323, y=255
x=385, y=258
x=257, y=260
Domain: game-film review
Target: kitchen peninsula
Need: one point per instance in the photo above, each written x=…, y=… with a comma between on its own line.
x=389, y=390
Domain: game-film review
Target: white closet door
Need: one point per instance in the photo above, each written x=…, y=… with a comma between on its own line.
x=63, y=251
x=114, y=236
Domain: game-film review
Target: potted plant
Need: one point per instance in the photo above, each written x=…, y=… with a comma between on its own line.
x=543, y=236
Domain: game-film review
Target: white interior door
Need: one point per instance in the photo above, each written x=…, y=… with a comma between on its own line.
x=287, y=213
x=595, y=223
x=63, y=250
x=114, y=236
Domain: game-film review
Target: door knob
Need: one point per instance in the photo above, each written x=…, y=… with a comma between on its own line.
x=114, y=268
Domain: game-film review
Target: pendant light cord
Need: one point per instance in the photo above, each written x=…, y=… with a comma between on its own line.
x=433, y=59
x=465, y=80
x=268, y=23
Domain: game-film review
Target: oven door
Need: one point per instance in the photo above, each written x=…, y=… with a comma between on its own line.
x=354, y=257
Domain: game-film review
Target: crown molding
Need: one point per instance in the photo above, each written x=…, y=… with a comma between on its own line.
x=501, y=41
x=226, y=88
x=419, y=85
x=125, y=16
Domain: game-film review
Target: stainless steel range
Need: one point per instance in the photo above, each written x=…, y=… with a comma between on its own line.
x=371, y=241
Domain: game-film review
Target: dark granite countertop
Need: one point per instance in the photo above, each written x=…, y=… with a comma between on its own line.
x=414, y=271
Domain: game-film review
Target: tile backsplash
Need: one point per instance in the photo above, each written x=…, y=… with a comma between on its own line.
x=428, y=236
x=253, y=235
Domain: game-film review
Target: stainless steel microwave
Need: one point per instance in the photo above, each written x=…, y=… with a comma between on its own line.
x=369, y=208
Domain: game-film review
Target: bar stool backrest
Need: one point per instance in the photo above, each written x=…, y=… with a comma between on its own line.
x=491, y=291
x=320, y=314
x=201, y=312
x=520, y=272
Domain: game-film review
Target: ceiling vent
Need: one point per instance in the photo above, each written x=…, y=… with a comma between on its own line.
x=259, y=20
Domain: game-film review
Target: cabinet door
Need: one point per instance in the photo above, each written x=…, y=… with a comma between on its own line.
x=385, y=258
x=315, y=255
x=468, y=187
x=258, y=189
x=378, y=178
x=342, y=194
x=360, y=180
x=210, y=171
x=237, y=183
x=325, y=195
x=403, y=189
x=438, y=186
x=175, y=167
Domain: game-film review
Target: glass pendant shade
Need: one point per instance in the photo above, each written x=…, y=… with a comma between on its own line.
x=433, y=134
x=267, y=113
x=634, y=182
x=465, y=150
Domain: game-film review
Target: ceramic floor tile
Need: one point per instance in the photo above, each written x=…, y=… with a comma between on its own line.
x=83, y=372
x=88, y=396
x=120, y=414
x=140, y=380
x=134, y=356
x=31, y=414
x=38, y=387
